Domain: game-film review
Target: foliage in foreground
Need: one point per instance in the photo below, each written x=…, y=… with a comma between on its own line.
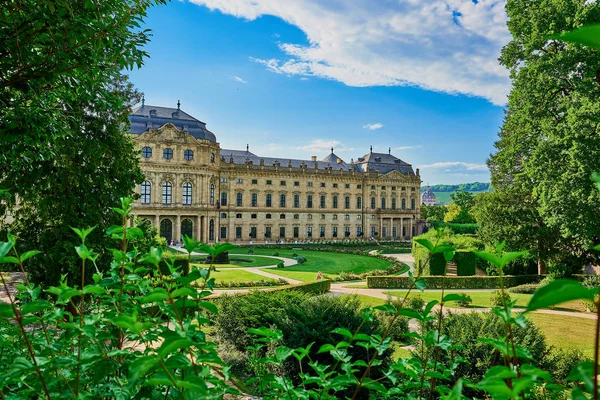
x=137, y=332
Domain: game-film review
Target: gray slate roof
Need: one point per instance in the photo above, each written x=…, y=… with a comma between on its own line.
x=370, y=162
x=148, y=117
x=384, y=163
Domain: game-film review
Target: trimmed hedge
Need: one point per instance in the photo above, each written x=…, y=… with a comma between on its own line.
x=180, y=261
x=437, y=265
x=452, y=282
x=461, y=229
x=466, y=263
x=316, y=287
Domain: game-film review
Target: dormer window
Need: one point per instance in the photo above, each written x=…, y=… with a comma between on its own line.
x=378, y=159
x=149, y=125
x=186, y=128
x=153, y=113
x=175, y=114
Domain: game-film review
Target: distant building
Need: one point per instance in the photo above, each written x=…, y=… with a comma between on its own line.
x=193, y=186
x=428, y=197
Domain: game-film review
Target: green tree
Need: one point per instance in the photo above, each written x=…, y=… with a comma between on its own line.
x=549, y=144
x=63, y=107
x=433, y=213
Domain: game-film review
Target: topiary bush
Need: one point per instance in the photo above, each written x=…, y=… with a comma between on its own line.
x=416, y=302
x=529, y=288
x=222, y=258
x=451, y=282
x=466, y=263
x=466, y=301
x=499, y=298
x=280, y=264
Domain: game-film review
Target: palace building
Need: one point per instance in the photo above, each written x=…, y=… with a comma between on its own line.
x=195, y=187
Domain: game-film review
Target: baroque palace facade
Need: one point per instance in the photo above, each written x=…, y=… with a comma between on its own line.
x=195, y=187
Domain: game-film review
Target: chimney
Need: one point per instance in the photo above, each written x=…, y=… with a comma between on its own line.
x=313, y=158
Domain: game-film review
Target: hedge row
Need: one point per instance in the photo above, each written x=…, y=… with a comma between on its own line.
x=460, y=229
x=316, y=287
x=466, y=263
x=452, y=282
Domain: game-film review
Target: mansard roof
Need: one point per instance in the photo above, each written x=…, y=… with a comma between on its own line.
x=148, y=117
x=240, y=157
x=384, y=163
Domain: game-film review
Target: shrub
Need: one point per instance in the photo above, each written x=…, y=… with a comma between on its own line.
x=250, y=251
x=280, y=264
x=301, y=260
x=276, y=254
x=466, y=263
x=416, y=302
x=294, y=255
x=529, y=288
x=466, y=302
x=222, y=258
x=498, y=298
x=452, y=282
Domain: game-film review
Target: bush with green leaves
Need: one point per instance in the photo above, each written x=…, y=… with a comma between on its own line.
x=499, y=297
x=280, y=264
x=465, y=301
x=529, y=288
x=416, y=302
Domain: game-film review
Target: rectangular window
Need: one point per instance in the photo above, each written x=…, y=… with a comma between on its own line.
x=372, y=187
x=393, y=187
x=282, y=231
x=223, y=198
x=309, y=184
x=238, y=199
x=393, y=204
x=268, y=200
x=253, y=216
x=322, y=202
x=268, y=232
x=322, y=184
x=322, y=231
x=347, y=186
x=282, y=200
x=359, y=202
x=335, y=202
x=254, y=199
x=282, y=183
x=347, y=231
x=253, y=232
x=296, y=183
x=238, y=232
x=166, y=193
x=145, y=192
x=383, y=188
x=296, y=201
x=309, y=231
x=335, y=185
x=383, y=204
x=358, y=231
x=254, y=181
x=309, y=202
x=187, y=194
x=403, y=204
x=223, y=232
x=334, y=231
x=373, y=202
x=239, y=180
x=359, y=186
x=412, y=204
x=238, y=216
x=223, y=180
x=347, y=202
x=372, y=231
x=269, y=182
x=296, y=232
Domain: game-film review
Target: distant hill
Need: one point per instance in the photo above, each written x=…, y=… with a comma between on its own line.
x=469, y=187
x=443, y=192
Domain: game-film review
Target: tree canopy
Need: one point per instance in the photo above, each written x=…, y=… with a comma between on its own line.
x=63, y=107
x=549, y=144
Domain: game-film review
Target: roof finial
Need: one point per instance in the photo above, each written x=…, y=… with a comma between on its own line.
x=247, y=147
x=389, y=150
x=178, y=104
x=332, y=149
x=371, y=149
x=143, y=100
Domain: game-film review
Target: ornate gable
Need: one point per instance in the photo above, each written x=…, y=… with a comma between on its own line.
x=167, y=133
x=393, y=175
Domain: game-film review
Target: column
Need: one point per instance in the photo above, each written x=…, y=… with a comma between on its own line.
x=380, y=226
x=401, y=234
x=411, y=228
x=392, y=228
x=177, y=233
x=197, y=235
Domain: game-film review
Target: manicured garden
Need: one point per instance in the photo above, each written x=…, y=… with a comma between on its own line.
x=330, y=264
x=239, y=261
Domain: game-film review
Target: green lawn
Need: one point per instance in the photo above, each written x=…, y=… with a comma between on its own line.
x=327, y=263
x=230, y=274
x=238, y=260
x=567, y=332
x=480, y=299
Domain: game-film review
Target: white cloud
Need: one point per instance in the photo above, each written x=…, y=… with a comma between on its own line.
x=238, y=79
x=372, y=127
x=320, y=146
x=449, y=46
x=456, y=166
x=400, y=148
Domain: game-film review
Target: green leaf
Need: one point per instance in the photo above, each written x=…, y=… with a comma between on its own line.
x=209, y=306
x=155, y=295
x=4, y=249
x=388, y=308
x=343, y=332
x=83, y=233
x=282, y=353
x=420, y=284
x=583, y=372
x=559, y=291
x=425, y=243
x=9, y=260
x=173, y=343
x=588, y=35
x=36, y=306
x=28, y=254
x=6, y=310
x=500, y=372
x=141, y=365
x=455, y=297
x=410, y=313
x=184, y=292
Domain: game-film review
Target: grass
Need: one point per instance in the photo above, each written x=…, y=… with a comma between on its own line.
x=240, y=261
x=328, y=263
x=444, y=197
x=480, y=299
x=567, y=332
x=228, y=275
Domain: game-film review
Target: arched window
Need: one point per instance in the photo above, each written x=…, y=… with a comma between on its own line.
x=211, y=229
x=347, y=202
x=145, y=192
x=212, y=194
x=188, y=155
x=212, y=158
x=281, y=216
x=167, y=153
x=187, y=227
x=146, y=152
x=167, y=193
x=268, y=216
x=166, y=229
x=335, y=202
x=269, y=200
x=187, y=194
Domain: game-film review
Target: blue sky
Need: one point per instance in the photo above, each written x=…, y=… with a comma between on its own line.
x=293, y=78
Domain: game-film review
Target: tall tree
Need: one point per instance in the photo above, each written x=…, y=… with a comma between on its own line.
x=63, y=107
x=549, y=143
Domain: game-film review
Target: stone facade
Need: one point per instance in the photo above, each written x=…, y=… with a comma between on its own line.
x=195, y=187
